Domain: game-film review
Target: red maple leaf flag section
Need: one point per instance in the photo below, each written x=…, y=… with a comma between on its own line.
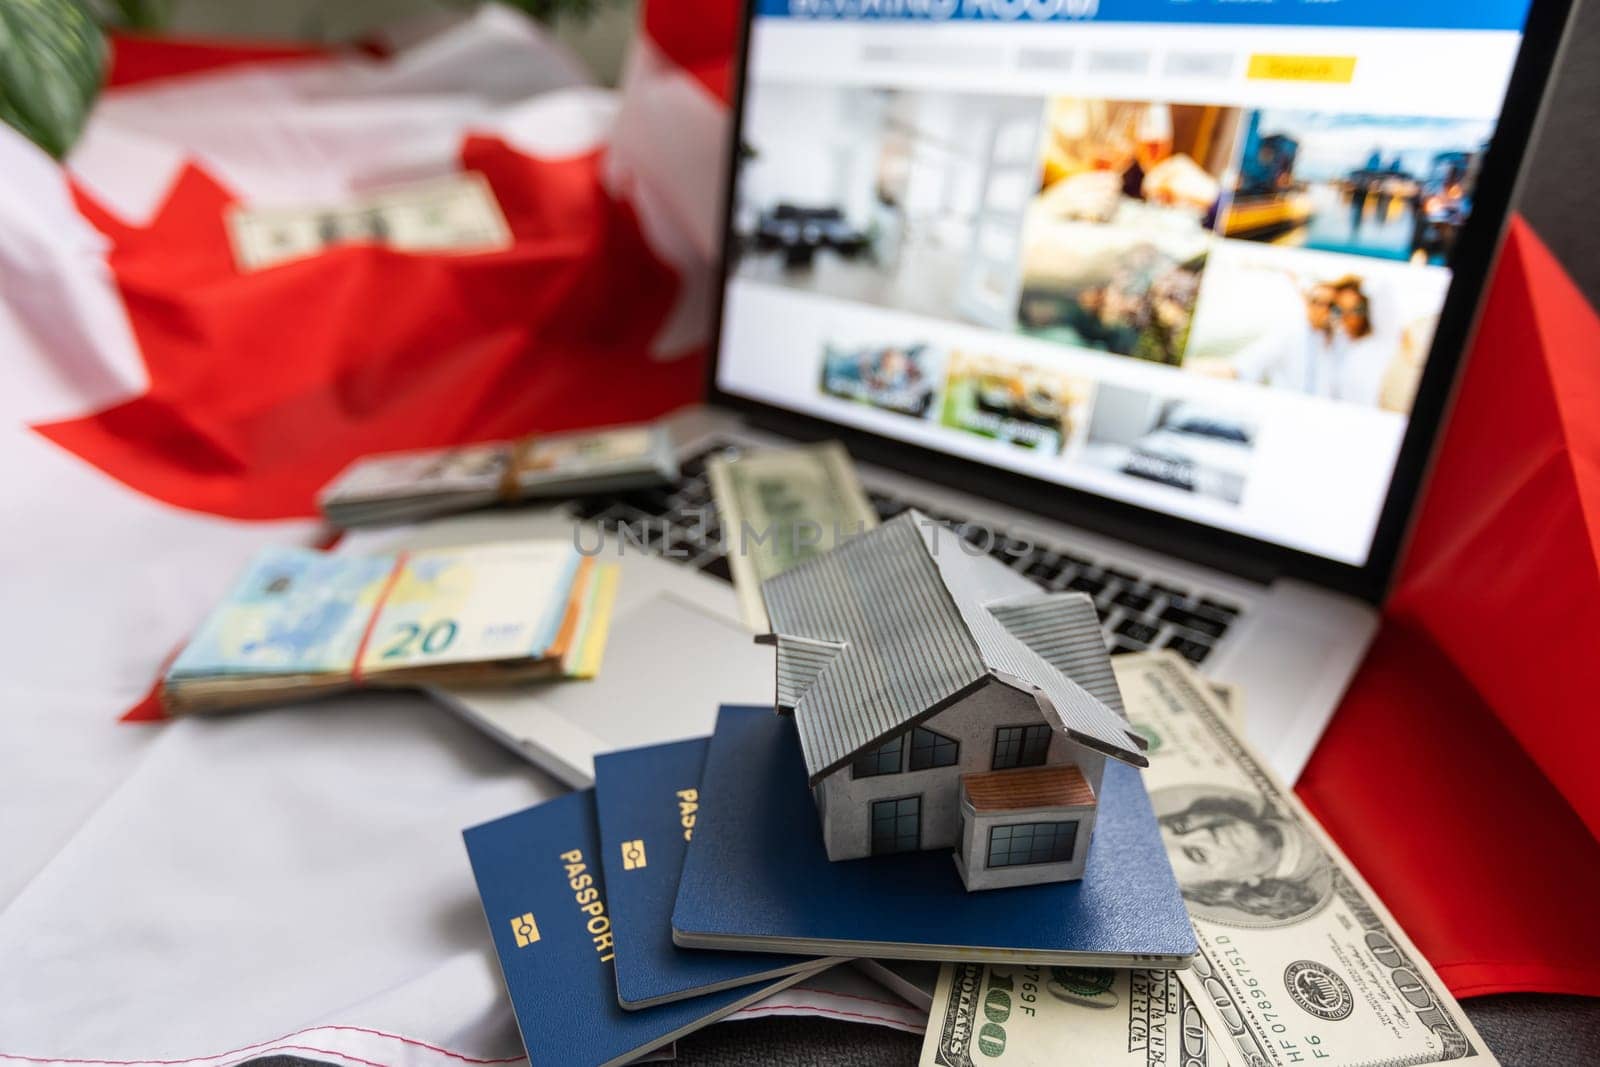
x=292, y=881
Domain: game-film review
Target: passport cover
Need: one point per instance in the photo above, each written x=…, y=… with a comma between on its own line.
x=648, y=800
x=757, y=877
x=539, y=880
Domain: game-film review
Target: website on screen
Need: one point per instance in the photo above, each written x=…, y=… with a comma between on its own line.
x=1188, y=254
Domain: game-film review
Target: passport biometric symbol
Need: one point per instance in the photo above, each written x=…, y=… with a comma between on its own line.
x=524, y=929
x=633, y=856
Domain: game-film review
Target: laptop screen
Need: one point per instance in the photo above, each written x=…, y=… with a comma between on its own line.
x=1186, y=254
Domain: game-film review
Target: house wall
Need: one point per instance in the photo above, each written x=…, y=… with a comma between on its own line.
x=972, y=851
x=844, y=802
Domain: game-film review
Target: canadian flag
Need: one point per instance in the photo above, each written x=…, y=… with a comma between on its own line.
x=293, y=881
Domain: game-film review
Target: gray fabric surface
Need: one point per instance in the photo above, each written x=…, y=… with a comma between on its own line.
x=1557, y=192
x=1522, y=1031
x=798, y=1041
x=1526, y=1030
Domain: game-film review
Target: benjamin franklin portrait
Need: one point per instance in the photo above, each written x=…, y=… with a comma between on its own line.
x=1239, y=861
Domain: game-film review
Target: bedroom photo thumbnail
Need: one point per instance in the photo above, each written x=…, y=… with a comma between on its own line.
x=902, y=199
x=1115, y=238
x=1190, y=445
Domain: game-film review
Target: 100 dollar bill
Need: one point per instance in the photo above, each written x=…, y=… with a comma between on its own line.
x=1019, y=1016
x=456, y=213
x=1299, y=962
x=780, y=508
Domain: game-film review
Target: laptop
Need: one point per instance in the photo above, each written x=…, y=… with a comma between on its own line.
x=1164, y=300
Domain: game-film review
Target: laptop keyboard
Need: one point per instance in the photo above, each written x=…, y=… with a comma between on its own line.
x=680, y=523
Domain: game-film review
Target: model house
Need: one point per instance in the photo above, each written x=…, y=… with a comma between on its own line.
x=944, y=701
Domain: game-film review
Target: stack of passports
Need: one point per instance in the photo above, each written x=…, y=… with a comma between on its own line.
x=544, y=894
x=648, y=801
x=757, y=877
x=693, y=880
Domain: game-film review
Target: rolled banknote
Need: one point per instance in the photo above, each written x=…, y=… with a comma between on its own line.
x=780, y=507
x=1299, y=961
x=1230, y=700
x=454, y=213
x=593, y=461
x=405, y=486
x=1019, y=1016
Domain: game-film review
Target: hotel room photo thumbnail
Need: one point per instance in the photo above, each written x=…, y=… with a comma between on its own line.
x=905, y=200
x=1188, y=445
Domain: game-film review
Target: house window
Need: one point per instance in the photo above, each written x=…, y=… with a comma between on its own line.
x=1020, y=746
x=931, y=749
x=885, y=759
x=1032, y=842
x=896, y=825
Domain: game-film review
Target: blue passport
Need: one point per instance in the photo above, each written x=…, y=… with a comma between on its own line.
x=757, y=877
x=539, y=879
x=648, y=801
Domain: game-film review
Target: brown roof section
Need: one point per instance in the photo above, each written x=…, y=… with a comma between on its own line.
x=1035, y=787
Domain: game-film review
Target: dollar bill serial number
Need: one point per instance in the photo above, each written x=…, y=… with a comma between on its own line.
x=1296, y=1048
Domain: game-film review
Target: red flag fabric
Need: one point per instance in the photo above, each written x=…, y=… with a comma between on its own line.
x=1457, y=774
x=1503, y=571
x=264, y=385
x=136, y=59
x=697, y=36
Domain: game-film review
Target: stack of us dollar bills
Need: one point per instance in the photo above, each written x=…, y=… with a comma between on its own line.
x=404, y=486
x=300, y=623
x=1299, y=963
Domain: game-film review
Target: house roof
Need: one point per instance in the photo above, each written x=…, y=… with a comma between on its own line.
x=896, y=623
x=1035, y=787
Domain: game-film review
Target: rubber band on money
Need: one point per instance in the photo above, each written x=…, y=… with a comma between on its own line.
x=389, y=583
x=510, y=481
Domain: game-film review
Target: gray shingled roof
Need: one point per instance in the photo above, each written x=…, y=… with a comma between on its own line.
x=898, y=622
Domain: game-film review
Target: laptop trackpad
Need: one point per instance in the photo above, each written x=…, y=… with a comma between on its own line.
x=667, y=666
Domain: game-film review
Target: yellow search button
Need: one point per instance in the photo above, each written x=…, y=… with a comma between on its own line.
x=1301, y=68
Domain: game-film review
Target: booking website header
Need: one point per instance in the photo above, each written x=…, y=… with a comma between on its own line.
x=1376, y=14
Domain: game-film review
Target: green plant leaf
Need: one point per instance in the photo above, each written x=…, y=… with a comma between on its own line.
x=52, y=57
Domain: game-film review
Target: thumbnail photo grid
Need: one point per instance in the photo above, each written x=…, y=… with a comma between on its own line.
x=1184, y=444
x=1298, y=251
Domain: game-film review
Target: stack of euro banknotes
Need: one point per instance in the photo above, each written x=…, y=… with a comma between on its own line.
x=301, y=623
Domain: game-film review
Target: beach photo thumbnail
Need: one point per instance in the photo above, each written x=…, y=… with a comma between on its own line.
x=1030, y=406
x=1191, y=445
x=1341, y=327
x=1393, y=187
